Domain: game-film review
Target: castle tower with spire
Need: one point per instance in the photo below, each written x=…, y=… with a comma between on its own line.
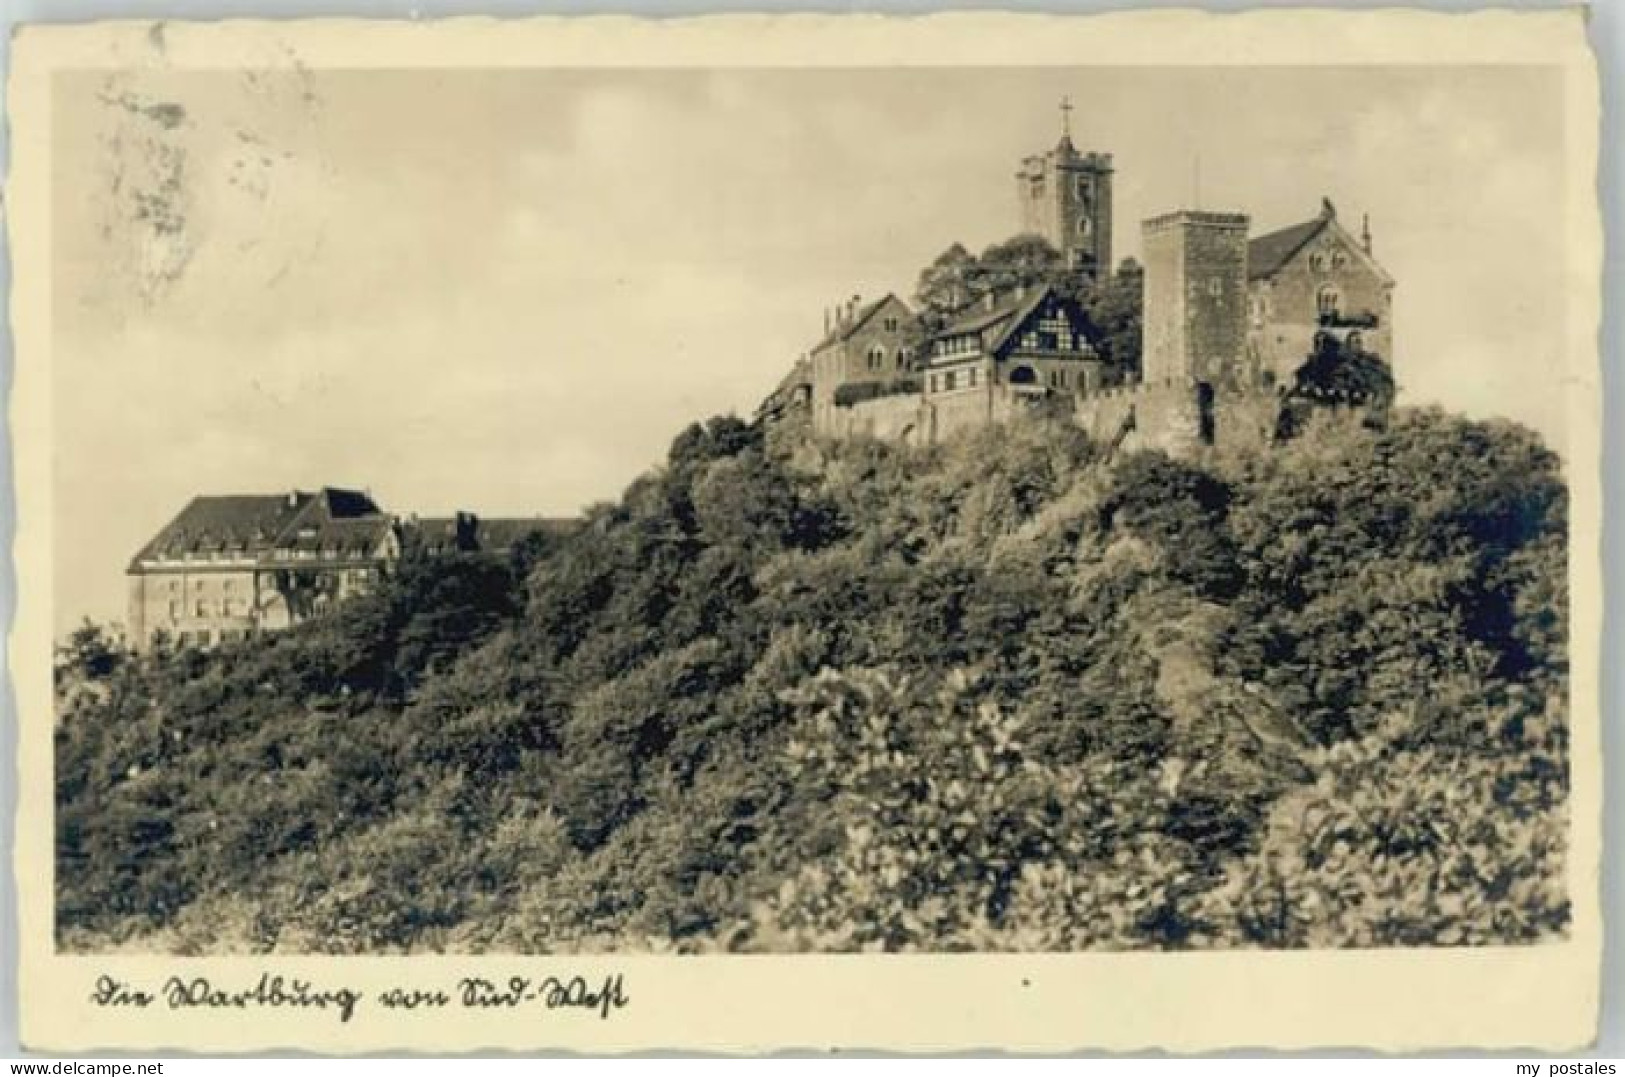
x=1066, y=197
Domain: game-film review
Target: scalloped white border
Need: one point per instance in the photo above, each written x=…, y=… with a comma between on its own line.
x=1544, y=997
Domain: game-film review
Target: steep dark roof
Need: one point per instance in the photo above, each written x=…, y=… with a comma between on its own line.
x=980, y=316
x=241, y=523
x=1268, y=253
x=845, y=329
x=250, y=524
x=351, y=536
x=342, y=503
x=335, y=521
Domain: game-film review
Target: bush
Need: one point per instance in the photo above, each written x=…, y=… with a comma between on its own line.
x=857, y=392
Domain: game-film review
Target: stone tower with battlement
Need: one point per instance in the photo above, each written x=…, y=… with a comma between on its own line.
x=1195, y=299
x=1066, y=197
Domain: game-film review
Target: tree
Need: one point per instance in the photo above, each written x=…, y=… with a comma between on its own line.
x=1023, y=261
x=957, y=278
x=1116, y=306
x=945, y=284
x=88, y=655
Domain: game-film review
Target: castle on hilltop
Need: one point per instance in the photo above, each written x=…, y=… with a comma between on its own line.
x=1240, y=334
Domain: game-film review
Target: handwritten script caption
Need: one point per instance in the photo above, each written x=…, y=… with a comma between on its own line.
x=274, y=992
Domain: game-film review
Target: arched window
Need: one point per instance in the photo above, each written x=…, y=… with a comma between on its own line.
x=877, y=357
x=1327, y=302
x=1023, y=375
x=902, y=358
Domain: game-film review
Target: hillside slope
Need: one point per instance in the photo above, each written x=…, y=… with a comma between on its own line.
x=781, y=695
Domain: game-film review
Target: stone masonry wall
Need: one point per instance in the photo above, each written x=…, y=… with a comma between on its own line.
x=888, y=418
x=1285, y=320
x=1195, y=298
x=1165, y=417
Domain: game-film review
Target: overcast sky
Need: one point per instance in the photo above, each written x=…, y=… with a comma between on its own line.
x=508, y=291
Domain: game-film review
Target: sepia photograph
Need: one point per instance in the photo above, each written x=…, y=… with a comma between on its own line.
x=625, y=509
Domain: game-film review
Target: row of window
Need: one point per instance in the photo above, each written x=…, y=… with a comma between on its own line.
x=348, y=575
x=1320, y=261
x=876, y=359
x=1048, y=341
x=1328, y=303
x=954, y=379
x=1353, y=344
x=950, y=380
x=203, y=637
x=198, y=582
x=227, y=607
x=1035, y=188
x=209, y=555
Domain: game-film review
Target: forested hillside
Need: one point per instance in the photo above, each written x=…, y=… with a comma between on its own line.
x=999, y=694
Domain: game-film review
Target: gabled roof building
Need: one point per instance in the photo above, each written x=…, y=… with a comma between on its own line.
x=1029, y=341
x=1316, y=286
x=230, y=565
x=864, y=344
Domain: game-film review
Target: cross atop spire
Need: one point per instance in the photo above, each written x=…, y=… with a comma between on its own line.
x=1066, y=118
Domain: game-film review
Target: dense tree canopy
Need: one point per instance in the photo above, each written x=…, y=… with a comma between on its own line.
x=1003, y=693
x=1115, y=305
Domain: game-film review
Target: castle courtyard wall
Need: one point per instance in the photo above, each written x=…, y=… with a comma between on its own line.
x=1169, y=418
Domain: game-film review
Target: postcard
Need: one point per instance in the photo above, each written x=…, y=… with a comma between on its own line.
x=972, y=531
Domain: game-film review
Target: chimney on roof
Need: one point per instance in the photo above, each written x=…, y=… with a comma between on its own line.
x=852, y=306
x=1365, y=232
x=826, y=321
x=1327, y=210
x=293, y=499
x=466, y=530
